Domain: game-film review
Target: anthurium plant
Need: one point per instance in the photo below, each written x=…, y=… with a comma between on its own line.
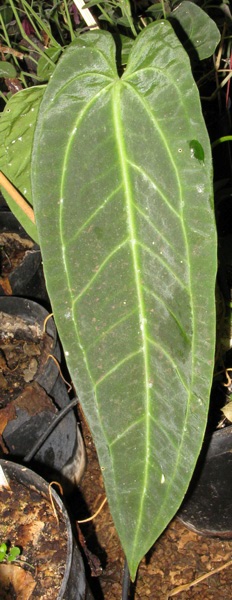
x=121, y=184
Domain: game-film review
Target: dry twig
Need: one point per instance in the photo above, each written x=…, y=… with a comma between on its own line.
x=51, y=498
x=60, y=372
x=7, y=50
x=187, y=586
x=95, y=514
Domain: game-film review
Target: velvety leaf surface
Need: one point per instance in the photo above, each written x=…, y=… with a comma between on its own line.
x=123, y=199
x=201, y=34
x=17, y=125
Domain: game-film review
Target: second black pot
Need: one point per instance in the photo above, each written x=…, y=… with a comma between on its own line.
x=19, y=276
x=74, y=586
x=207, y=506
x=37, y=405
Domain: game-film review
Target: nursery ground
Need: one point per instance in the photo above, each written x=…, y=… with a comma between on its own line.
x=179, y=556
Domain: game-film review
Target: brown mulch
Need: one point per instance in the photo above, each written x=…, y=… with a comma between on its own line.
x=13, y=249
x=178, y=557
x=28, y=521
x=24, y=349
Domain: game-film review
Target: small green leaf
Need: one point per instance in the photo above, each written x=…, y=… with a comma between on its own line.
x=124, y=21
x=3, y=551
x=155, y=10
x=13, y=553
x=17, y=124
x=195, y=29
x=6, y=14
x=44, y=67
x=7, y=69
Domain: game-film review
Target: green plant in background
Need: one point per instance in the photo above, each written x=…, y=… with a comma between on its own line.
x=25, y=30
x=9, y=554
x=122, y=190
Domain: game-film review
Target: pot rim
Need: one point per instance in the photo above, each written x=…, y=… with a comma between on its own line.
x=29, y=479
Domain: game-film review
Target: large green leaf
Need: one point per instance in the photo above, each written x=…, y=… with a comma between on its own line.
x=196, y=30
x=121, y=178
x=17, y=126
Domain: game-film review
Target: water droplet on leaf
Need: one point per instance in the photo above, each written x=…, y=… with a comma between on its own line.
x=200, y=188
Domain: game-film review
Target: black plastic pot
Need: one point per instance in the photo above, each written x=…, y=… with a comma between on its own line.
x=36, y=407
x=207, y=507
x=34, y=316
x=19, y=278
x=74, y=586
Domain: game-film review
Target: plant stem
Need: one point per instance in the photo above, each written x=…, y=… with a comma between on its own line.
x=226, y=138
x=125, y=581
x=126, y=11
x=31, y=75
x=16, y=196
x=37, y=32
x=69, y=21
x=3, y=97
x=164, y=10
x=105, y=14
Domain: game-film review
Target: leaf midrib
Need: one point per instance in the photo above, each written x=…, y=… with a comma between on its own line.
x=117, y=121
